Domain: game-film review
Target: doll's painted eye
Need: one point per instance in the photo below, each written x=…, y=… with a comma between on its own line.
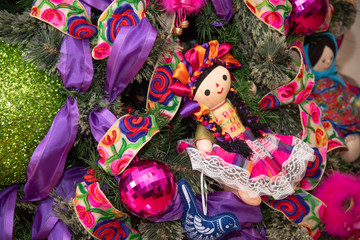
x=207, y=92
x=323, y=61
x=224, y=77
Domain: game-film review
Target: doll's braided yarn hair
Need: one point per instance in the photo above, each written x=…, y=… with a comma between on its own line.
x=190, y=72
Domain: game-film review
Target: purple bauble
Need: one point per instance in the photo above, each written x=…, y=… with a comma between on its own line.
x=147, y=188
x=308, y=16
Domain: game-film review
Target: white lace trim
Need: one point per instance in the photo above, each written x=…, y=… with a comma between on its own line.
x=280, y=186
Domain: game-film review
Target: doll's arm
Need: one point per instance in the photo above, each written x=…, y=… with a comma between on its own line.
x=204, y=139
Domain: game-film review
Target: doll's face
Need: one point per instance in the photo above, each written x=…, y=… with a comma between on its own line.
x=325, y=61
x=214, y=88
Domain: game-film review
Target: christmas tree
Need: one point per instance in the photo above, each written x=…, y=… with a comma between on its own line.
x=89, y=116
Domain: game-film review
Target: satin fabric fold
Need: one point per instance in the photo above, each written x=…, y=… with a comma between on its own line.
x=129, y=52
x=60, y=232
x=47, y=163
x=75, y=64
x=224, y=10
x=100, y=122
x=45, y=222
x=220, y=202
x=7, y=209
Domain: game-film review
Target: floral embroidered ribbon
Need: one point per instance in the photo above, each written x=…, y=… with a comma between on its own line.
x=274, y=13
x=301, y=208
x=99, y=217
x=123, y=140
x=320, y=135
x=70, y=17
x=120, y=13
x=159, y=94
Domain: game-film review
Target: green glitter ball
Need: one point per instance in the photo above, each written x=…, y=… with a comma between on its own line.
x=29, y=100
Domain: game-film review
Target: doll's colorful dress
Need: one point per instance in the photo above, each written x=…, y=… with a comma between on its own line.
x=338, y=104
x=276, y=166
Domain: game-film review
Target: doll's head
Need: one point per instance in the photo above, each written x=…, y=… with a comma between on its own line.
x=200, y=77
x=212, y=86
x=321, y=51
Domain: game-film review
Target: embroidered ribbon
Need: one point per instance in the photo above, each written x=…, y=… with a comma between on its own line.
x=51, y=153
x=45, y=221
x=224, y=10
x=297, y=90
x=100, y=122
x=123, y=140
x=75, y=64
x=69, y=17
x=7, y=209
x=159, y=93
x=320, y=135
x=131, y=48
x=301, y=208
x=99, y=217
x=275, y=14
x=117, y=15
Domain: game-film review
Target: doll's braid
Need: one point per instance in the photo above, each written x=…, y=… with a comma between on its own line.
x=224, y=139
x=246, y=118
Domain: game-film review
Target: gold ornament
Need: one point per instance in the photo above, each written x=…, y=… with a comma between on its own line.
x=185, y=24
x=178, y=31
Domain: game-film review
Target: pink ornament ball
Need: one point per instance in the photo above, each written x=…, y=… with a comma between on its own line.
x=147, y=188
x=308, y=16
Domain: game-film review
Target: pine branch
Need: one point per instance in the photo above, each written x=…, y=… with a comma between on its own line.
x=279, y=228
x=43, y=49
x=164, y=230
x=264, y=48
x=17, y=29
x=343, y=17
x=65, y=211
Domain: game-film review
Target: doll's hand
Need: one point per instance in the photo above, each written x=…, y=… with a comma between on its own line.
x=204, y=145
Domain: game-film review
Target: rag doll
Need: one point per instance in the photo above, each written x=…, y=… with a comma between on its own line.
x=337, y=99
x=247, y=158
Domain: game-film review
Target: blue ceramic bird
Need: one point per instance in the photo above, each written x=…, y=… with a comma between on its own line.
x=198, y=226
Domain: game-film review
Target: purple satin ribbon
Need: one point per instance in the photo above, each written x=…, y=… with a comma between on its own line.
x=60, y=232
x=100, y=122
x=48, y=160
x=129, y=52
x=220, y=202
x=75, y=63
x=224, y=10
x=98, y=4
x=7, y=209
x=46, y=224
